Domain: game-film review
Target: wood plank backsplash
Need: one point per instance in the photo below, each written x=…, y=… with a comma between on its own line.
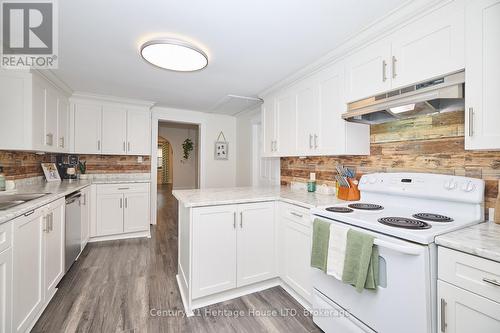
x=20, y=165
x=433, y=144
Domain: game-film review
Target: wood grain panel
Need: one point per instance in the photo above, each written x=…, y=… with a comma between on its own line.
x=433, y=144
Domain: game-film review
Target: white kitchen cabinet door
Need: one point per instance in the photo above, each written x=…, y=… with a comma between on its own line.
x=28, y=292
x=269, y=126
x=256, y=243
x=307, y=118
x=138, y=132
x=286, y=122
x=87, y=129
x=62, y=124
x=114, y=130
x=368, y=71
x=297, y=257
x=482, y=101
x=430, y=46
x=109, y=213
x=462, y=311
x=51, y=101
x=38, y=109
x=136, y=213
x=214, y=249
x=6, y=291
x=54, y=233
x=85, y=209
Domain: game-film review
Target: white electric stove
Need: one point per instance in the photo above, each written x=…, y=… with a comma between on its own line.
x=404, y=212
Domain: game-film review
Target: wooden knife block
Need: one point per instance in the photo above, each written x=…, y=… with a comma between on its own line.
x=349, y=193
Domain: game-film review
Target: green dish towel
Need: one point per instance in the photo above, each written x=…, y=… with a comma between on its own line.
x=320, y=240
x=361, y=261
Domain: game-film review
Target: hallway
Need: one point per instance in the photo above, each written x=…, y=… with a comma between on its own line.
x=122, y=286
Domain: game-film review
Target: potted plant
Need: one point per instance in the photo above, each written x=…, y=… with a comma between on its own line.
x=82, y=166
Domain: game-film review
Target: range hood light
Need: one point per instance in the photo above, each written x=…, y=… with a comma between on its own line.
x=403, y=108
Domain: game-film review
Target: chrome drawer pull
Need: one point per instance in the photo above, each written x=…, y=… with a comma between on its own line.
x=443, y=315
x=492, y=281
x=123, y=188
x=297, y=214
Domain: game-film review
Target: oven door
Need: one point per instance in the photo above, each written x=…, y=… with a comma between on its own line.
x=403, y=299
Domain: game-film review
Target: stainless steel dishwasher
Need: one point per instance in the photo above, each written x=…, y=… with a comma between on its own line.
x=73, y=229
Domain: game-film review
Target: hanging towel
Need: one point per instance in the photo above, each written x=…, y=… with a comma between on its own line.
x=361, y=261
x=319, y=252
x=336, y=250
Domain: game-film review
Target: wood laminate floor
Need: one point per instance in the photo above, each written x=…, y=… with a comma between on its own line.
x=130, y=286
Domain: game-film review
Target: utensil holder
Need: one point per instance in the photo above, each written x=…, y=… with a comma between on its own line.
x=349, y=193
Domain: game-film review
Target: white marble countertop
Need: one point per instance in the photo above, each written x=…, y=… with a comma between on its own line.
x=482, y=240
x=236, y=195
x=56, y=190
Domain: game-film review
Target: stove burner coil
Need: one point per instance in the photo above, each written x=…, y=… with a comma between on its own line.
x=339, y=209
x=433, y=217
x=403, y=222
x=365, y=206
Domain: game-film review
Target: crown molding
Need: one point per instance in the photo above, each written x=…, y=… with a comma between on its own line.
x=386, y=25
x=56, y=80
x=79, y=96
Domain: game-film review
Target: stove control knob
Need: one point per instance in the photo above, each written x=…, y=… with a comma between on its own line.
x=372, y=180
x=363, y=180
x=468, y=186
x=450, y=184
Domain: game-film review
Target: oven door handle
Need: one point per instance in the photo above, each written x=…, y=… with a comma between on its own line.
x=410, y=250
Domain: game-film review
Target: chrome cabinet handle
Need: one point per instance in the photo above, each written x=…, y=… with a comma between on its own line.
x=443, y=315
x=310, y=141
x=123, y=188
x=61, y=142
x=124, y=149
x=98, y=144
x=492, y=282
x=471, y=121
x=128, y=146
x=241, y=220
x=394, y=60
x=49, y=139
x=384, y=75
x=46, y=223
x=84, y=203
x=51, y=223
x=234, y=220
x=315, y=141
x=297, y=214
x=121, y=203
x=126, y=202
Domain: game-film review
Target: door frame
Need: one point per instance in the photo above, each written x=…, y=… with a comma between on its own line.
x=173, y=115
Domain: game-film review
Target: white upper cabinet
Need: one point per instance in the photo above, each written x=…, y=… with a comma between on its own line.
x=269, y=126
x=114, y=130
x=87, y=125
x=111, y=128
x=431, y=46
x=63, y=124
x=30, y=112
x=286, y=124
x=368, y=71
x=307, y=117
x=482, y=100
x=138, y=132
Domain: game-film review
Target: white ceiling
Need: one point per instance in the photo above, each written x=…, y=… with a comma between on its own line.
x=251, y=44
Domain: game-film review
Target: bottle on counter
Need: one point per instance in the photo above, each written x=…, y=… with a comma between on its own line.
x=311, y=184
x=2, y=179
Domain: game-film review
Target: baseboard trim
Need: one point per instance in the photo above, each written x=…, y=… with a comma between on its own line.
x=138, y=234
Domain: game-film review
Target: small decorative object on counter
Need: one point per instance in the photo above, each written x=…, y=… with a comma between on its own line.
x=82, y=167
x=51, y=173
x=497, y=206
x=2, y=179
x=311, y=184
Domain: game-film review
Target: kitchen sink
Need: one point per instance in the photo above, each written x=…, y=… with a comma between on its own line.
x=11, y=200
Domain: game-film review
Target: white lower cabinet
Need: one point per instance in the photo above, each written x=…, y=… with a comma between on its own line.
x=233, y=246
x=6, y=277
x=122, y=208
x=38, y=262
x=468, y=293
x=295, y=249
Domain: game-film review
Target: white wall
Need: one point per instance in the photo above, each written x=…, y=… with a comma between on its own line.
x=185, y=172
x=245, y=156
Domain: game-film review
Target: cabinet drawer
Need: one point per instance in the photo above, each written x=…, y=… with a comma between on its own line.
x=479, y=275
x=122, y=188
x=5, y=236
x=295, y=213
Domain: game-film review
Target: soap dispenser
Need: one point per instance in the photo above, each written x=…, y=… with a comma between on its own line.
x=2, y=179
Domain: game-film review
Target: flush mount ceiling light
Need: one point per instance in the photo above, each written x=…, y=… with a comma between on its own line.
x=174, y=55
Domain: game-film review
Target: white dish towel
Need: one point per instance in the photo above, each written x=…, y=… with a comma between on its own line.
x=336, y=250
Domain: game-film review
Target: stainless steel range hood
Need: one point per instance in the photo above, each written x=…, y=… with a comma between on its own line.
x=438, y=95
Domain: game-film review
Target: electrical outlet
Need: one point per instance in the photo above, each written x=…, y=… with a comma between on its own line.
x=491, y=214
x=139, y=159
